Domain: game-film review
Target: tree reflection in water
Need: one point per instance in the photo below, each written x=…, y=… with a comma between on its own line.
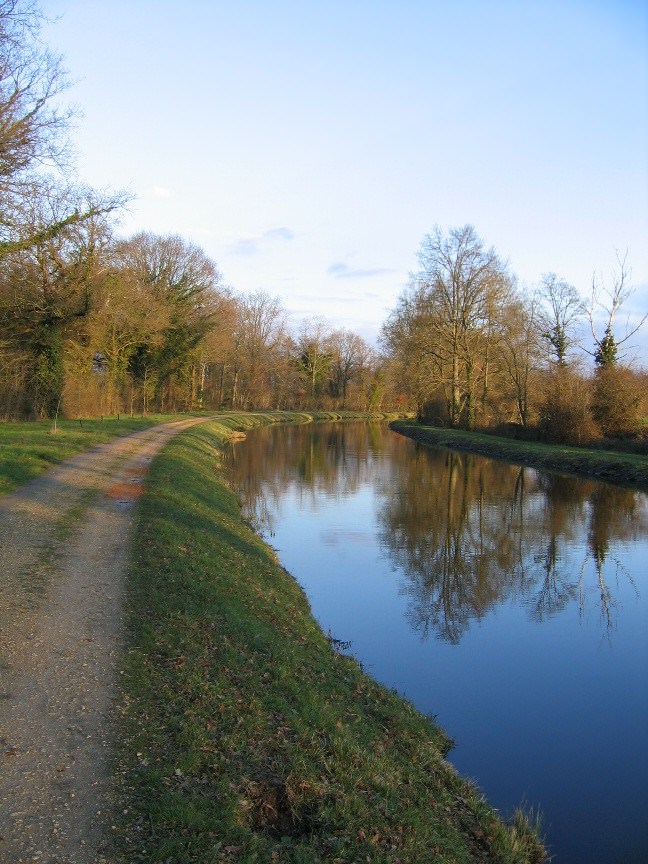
x=470, y=533
x=527, y=570
x=467, y=533
x=333, y=460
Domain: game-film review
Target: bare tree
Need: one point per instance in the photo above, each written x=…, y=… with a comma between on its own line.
x=32, y=126
x=415, y=366
x=33, y=132
x=314, y=349
x=520, y=352
x=171, y=265
x=606, y=302
x=349, y=353
x=563, y=308
x=258, y=338
x=445, y=320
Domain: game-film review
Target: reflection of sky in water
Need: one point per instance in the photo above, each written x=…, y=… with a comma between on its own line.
x=521, y=622
x=338, y=536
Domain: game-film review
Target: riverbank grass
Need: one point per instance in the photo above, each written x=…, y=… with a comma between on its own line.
x=246, y=736
x=623, y=468
x=28, y=449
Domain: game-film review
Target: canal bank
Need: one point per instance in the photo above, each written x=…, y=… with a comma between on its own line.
x=509, y=602
x=247, y=735
x=625, y=469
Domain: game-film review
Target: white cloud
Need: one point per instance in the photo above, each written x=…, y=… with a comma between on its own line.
x=160, y=192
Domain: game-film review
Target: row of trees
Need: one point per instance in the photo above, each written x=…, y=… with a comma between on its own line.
x=91, y=323
x=94, y=323
x=474, y=349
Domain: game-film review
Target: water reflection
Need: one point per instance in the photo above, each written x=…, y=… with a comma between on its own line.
x=469, y=533
x=325, y=459
x=498, y=598
x=466, y=533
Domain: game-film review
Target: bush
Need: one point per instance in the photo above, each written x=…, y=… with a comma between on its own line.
x=565, y=415
x=434, y=411
x=616, y=401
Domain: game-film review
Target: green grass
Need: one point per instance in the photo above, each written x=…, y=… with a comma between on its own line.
x=246, y=737
x=626, y=469
x=30, y=448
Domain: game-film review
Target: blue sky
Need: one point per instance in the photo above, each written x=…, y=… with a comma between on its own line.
x=309, y=146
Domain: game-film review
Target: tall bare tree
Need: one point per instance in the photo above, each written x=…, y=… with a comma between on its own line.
x=520, y=353
x=314, y=351
x=33, y=133
x=562, y=307
x=349, y=356
x=446, y=317
x=607, y=299
x=258, y=337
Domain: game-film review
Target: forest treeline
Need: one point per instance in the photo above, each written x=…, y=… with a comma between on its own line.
x=473, y=349
x=91, y=324
x=94, y=323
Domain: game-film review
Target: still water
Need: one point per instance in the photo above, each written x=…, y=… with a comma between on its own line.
x=509, y=603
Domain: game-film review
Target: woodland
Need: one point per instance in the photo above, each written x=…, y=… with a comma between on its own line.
x=93, y=323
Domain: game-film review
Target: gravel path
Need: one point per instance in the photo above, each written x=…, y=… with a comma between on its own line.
x=63, y=542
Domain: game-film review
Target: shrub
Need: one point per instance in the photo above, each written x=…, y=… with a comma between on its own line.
x=565, y=415
x=616, y=401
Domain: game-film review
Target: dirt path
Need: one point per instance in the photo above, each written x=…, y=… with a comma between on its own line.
x=63, y=545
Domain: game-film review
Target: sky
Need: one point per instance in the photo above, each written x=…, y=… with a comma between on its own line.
x=308, y=147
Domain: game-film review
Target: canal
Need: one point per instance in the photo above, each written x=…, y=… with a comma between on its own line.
x=507, y=602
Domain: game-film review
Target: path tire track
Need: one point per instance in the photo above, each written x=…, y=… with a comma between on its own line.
x=64, y=548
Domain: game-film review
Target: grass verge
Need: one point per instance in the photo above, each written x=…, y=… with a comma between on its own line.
x=28, y=449
x=246, y=737
x=625, y=469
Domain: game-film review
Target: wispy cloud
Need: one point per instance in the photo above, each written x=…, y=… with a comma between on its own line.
x=328, y=299
x=339, y=270
x=340, y=536
x=278, y=234
x=160, y=192
x=250, y=244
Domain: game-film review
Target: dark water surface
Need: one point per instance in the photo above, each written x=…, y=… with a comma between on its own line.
x=509, y=603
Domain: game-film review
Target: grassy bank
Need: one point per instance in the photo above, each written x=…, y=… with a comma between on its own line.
x=627, y=469
x=246, y=736
x=30, y=448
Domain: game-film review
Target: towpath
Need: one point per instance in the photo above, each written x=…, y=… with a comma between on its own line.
x=63, y=552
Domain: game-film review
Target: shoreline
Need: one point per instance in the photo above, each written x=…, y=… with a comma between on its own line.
x=248, y=737
x=609, y=466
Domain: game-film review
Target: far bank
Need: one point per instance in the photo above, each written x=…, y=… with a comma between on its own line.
x=626, y=469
